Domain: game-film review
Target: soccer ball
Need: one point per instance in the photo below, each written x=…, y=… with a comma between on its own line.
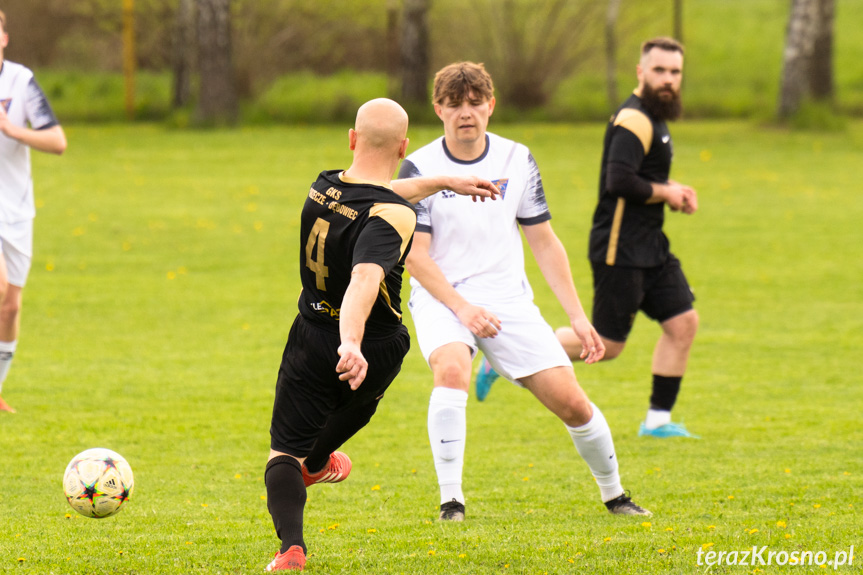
x=98, y=482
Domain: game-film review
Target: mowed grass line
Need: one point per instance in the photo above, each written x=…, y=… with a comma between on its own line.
x=164, y=283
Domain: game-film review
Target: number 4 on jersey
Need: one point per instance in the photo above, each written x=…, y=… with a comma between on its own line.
x=318, y=235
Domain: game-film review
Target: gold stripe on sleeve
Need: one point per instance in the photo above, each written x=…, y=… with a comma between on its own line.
x=402, y=218
x=611, y=255
x=637, y=123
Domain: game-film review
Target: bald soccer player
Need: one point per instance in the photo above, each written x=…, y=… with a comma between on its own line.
x=347, y=343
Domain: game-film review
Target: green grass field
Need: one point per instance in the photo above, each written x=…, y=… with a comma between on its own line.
x=164, y=283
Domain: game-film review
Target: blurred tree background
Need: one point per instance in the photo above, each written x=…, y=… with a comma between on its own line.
x=552, y=60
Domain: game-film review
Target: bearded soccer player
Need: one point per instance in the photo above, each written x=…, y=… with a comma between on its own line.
x=347, y=343
x=633, y=267
x=26, y=121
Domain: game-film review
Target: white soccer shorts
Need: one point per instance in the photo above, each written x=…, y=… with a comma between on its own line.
x=16, y=243
x=525, y=345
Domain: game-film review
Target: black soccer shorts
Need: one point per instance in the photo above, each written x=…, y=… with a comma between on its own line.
x=308, y=389
x=661, y=292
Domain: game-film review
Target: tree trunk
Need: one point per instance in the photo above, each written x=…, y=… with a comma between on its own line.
x=415, y=52
x=797, y=57
x=183, y=37
x=678, y=20
x=821, y=69
x=393, y=56
x=217, y=102
x=611, y=52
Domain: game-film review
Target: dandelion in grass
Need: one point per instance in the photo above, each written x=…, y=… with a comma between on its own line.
x=371, y=530
x=376, y=488
x=607, y=539
x=787, y=470
x=646, y=524
x=788, y=536
x=172, y=275
x=817, y=506
x=781, y=524
x=752, y=531
x=706, y=545
x=462, y=555
x=570, y=560
x=711, y=526
x=660, y=551
x=730, y=497
x=669, y=529
x=333, y=527
x=432, y=552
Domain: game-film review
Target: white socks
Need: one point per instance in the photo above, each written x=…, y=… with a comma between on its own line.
x=447, y=424
x=656, y=418
x=595, y=445
x=7, y=351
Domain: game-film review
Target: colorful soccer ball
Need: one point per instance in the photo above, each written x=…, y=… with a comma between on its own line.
x=98, y=482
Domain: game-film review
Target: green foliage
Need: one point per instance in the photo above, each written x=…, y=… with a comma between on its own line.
x=100, y=96
x=292, y=56
x=308, y=98
x=164, y=283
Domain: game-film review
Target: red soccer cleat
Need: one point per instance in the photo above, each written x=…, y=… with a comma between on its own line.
x=291, y=560
x=338, y=468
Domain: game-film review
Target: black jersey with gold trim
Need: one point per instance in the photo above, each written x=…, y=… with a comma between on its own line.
x=637, y=151
x=346, y=222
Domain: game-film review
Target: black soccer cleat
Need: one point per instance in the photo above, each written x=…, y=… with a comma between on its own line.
x=452, y=511
x=623, y=505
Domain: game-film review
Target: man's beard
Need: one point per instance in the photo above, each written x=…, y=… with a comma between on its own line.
x=658, y=106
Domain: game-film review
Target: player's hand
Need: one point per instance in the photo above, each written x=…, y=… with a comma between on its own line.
x=474, y=187
x=481, y=322
x=681, y=198
x=352, y=365
x=592, y=348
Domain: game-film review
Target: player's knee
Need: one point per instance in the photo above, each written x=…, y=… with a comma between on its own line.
x=10, y=309
x=613, y=349
x=684, y=327
x=452, y=375
x=578, y=412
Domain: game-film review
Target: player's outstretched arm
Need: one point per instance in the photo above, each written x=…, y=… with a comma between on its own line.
x=554, y=265
x=356, y=307
x=416, y=189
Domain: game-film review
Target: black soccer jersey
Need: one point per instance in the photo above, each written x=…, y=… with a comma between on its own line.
x=344, y=223
x=637, y=151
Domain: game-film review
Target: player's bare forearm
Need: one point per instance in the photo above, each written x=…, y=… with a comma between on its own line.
x=51, y=140
x=416, y=189
x=356, y=307
x=553, y=262
x=425, y=270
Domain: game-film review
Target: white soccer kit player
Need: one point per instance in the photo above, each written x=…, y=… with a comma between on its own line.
x=24, y=103
x=478, y=247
